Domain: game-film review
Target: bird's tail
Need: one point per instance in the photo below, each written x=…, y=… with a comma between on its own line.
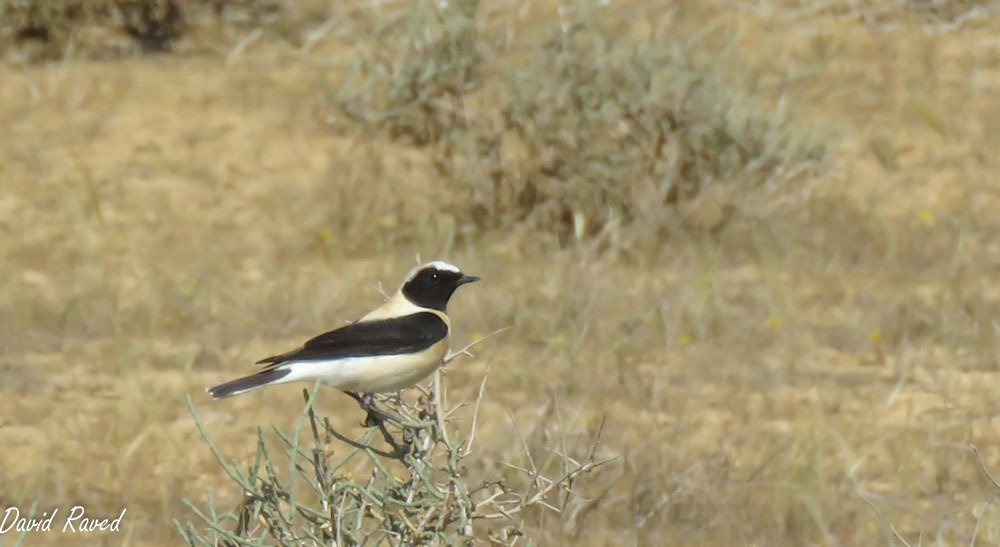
x=248, y=383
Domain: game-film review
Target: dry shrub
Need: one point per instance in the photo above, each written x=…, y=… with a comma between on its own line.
x=420, y=492
x=587, y=135
x=411, y=75
x=45, y=30
x=599, y=133
x=49, y=25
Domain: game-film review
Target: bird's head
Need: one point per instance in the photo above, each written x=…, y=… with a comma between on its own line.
x=431, y=285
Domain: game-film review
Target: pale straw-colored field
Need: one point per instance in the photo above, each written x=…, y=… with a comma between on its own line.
x=770, y=350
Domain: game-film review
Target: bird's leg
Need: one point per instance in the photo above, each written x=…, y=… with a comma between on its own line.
x=365, y=402
x=368, y=403
x=377, y=417
x=397, y=449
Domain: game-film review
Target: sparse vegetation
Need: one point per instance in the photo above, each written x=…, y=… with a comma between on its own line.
x=420, y=492
x=757, y=238
x=592, y=133
x=34, y=31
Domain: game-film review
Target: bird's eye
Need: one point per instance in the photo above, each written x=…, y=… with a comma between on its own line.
x=435, y=278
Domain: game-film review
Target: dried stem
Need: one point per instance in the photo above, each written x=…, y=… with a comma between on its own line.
x=881, y=519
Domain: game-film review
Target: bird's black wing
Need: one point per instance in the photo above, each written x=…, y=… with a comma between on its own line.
x=407, y=334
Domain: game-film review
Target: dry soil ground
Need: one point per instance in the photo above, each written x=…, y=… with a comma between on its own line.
x=168, y=219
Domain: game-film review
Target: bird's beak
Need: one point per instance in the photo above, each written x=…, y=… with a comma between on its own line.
x=467, y=279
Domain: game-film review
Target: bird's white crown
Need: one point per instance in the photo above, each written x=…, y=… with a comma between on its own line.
x=437, y=265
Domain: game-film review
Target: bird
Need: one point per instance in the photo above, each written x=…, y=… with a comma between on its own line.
x=391, y=348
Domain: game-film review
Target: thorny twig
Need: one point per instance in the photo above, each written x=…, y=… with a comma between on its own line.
x=422, y=496
x=465, y=350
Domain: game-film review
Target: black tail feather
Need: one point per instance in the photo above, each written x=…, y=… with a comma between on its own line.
x=254, y=381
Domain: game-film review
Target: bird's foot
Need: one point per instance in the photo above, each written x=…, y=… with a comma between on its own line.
x=377, y=417
x=378, y=414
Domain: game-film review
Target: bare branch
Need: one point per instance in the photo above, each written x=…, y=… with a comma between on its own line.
x=881, y=519
x=982, y=465
x=439, y=405
x=475, y=412
x=378, y=288
x=465, y=351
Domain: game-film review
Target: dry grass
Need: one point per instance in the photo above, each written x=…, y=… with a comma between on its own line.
x=168, y=219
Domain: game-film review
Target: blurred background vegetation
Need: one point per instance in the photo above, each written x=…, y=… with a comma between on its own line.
x=758, y=238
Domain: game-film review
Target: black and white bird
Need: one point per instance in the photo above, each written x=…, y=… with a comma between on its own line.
x=393, y=347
